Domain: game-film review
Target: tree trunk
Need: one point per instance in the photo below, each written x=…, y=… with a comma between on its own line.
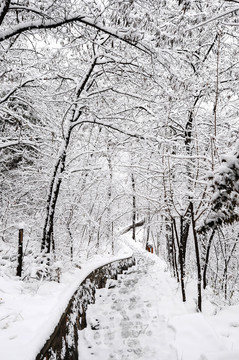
x=169, y=245
x=110, y=225
x=48, y=231
x=134, y=208
x=206, y=260
x=175, y=265
x=199, y=275
x=182, y=245
x=20, y=253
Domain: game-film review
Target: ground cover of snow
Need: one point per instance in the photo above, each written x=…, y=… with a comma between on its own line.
x=141, y=316
x=29, y=312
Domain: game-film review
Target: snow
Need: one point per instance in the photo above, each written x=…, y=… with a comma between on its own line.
x=128, y=322
x=195, y=337
x=21, y=226
x=218, y=16
x=142, y=317
x=29, y=312
x=81, y=18
x=5, y=144
x=227, y=324
x=138, y=316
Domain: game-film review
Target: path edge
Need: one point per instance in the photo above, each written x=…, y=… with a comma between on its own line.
x=63, y=342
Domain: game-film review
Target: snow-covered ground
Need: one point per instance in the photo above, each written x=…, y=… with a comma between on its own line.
x=139, y=316
x=127, y=320
x=29, y=312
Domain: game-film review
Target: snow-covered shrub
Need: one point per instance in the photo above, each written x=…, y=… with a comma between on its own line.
x=225, y=187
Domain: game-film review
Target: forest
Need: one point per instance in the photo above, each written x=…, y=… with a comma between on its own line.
x=120, y=115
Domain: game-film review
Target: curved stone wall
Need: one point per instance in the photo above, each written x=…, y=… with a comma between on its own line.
x=63, y=343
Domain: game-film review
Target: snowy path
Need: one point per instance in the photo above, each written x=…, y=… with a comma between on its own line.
x=126, y=320
x=141, y=316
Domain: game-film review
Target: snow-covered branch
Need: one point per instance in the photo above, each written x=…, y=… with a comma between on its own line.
x=4, y=9
x=214, y=18
x=109, y=126
x=8, y=144
x=125, y=35
x=28, y=9
x=11, y=92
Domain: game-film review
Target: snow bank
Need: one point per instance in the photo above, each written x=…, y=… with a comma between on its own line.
x=194, y=336
x=29, y=312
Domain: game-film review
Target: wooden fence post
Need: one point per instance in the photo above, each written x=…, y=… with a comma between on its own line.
x=20, y=252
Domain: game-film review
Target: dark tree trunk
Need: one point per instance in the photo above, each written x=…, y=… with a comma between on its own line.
x=110, y=224
x=207, y=259
x=182, y=252
x=43, y=244
x=199, y=275
x=48, y=230
x=175, y=265
x=134, y=208
x=182, y=245
x=169, y=240
x=4, y=10
x=20, y=253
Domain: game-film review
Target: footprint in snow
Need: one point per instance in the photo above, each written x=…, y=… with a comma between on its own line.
x=132, y=343
x=126, y=332
x=234, y=324
x=124, y=315
x=123, y=290
x=97, y=335
x=110, y=335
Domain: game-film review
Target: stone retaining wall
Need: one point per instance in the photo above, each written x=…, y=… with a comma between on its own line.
x=63, y=343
